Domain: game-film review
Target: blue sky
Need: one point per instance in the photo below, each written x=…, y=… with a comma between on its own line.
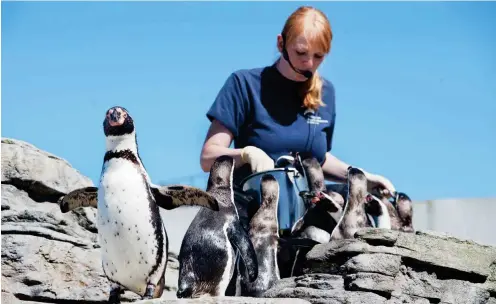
x=415, y=82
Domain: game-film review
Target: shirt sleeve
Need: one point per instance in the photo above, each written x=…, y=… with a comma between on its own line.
x=230, y=105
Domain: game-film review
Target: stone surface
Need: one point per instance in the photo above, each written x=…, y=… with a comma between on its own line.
x=42, y=175
x=225, y=300
x=50, y=257
x=399, y=268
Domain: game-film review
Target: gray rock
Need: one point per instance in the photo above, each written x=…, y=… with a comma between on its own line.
x=225, y=300
x=8, y=298
x=50, y=257
x=409, y=268
x=42, y=175
x=386, y=264
x=320, y=288
x=40, y=269
x=403, y=299
x=491, y=300
x=22, y=214
x=466, y=259
x=427, y=285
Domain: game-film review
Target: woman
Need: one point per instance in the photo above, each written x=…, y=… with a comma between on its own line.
x=283, y=108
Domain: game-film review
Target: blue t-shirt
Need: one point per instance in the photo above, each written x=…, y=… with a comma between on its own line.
x=263, y=108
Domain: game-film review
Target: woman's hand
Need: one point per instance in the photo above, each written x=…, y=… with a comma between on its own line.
x=257, y=158
x=375, y=180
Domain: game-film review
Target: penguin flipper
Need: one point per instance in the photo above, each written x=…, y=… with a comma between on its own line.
x=82, y=197
x=297, y=226
x=240, y=239
x=171, y=197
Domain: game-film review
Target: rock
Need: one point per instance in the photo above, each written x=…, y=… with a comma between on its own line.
x=380, y=263
x=321, y=288
x=225, y=300
x=24, y=216
x=44, y=176
x=8, y=298
x=50, y=257
x=400, y=268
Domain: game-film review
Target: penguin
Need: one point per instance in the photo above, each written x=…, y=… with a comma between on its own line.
x=323, y=211
x=374, y=207
x=405, y=212
x=382, y=195
x=264, y=235
x=132, y=237
x=212, y=242
x=354, y=215
x=319, y=220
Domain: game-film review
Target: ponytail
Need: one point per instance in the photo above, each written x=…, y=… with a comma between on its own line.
x=311, y=92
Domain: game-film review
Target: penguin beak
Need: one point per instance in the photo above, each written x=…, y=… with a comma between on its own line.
x=114, y=117
x=394, y=197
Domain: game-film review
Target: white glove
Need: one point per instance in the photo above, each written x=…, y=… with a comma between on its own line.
x=375, y=180
x=257, y=158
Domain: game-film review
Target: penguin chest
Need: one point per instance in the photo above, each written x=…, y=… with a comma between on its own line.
x=231, y=255
x=131, y=234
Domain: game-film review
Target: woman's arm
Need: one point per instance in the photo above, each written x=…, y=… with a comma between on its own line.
x=335, y=169
x=217, y=143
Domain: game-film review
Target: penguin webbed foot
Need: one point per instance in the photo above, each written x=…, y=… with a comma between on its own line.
x=407, y=229
x=150, y=290
x=115, y=294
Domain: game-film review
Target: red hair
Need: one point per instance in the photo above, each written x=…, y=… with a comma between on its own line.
x=314, y=25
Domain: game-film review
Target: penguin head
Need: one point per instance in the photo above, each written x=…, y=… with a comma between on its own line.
x=357, y=182
x=221, y=173
x=308, y=165
x=118, y=122
x=373, y=205
x=327, y=202
x=403, y=204
x=402, y=197
x=356, y=175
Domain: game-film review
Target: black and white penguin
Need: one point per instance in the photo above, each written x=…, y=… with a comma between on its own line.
x=323, y=211
x=354, y=215
x=210, y=246
x=131, y=234
x=317, y=223
x=405, y=211
x=377, y=212
x=264, y=235
x=383, y=195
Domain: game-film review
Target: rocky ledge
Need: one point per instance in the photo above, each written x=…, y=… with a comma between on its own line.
x=385, y=266
x=50, y=257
